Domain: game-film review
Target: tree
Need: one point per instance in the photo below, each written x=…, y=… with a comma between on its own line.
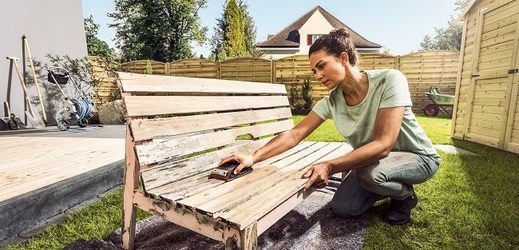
x=95, y=46
x=426, y=44
x=447, y=38
x=234, y=35
x=216, y=41
x=160, y=30
x=461, y=5
x=249, y=30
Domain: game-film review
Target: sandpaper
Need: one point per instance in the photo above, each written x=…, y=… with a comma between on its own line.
x=226, y=171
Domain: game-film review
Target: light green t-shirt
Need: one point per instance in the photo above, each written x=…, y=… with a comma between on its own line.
x=387, y=88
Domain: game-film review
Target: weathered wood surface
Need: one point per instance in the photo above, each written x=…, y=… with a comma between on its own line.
x=163, y=127
x=166, y=149
x=248, y=198
x=30, y=163
x=158, y=105
x=144, y=83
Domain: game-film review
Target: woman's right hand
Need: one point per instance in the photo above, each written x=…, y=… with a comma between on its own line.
x=246, y=161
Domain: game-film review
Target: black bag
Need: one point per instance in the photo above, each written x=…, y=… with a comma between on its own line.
x=57, y=78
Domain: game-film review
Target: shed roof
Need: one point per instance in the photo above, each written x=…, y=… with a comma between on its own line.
x=467, y=9
x=289, y=36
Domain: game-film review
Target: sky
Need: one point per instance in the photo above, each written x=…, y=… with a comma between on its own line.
x=398, y=25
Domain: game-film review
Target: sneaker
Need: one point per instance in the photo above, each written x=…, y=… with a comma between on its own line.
x=399, y=211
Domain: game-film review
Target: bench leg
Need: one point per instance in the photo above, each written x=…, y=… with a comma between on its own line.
x=131, y=181
x=128, y=230
x=248, y=239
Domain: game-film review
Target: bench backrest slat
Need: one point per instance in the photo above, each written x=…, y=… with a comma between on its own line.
x=160, y=105
x=161, y=127
x=174, y=148
x=172, y=118
x=166, y=84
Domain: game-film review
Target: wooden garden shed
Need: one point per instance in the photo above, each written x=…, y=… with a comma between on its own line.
x=486, y=106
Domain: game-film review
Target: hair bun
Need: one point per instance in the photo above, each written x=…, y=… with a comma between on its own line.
x=340, y=32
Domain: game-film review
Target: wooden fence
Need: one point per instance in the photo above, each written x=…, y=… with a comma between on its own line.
x=423, y=70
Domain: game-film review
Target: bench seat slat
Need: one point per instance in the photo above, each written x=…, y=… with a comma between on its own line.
x=161, y=175
x=201, y=184
x=166, y=84
x=166, y=191
x=155, y=128
x=160, y=150
x=242, y=194
x=256, y=207
x=159, y=105
x=186, y=187
x=229, y=189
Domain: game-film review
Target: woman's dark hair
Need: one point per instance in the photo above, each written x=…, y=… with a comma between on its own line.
x=336, y=42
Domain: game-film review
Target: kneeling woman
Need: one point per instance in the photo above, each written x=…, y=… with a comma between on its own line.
x=372, y=110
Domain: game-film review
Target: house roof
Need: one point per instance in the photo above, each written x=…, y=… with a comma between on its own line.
x=289, y=36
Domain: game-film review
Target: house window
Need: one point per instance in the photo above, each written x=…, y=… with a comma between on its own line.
x=310, y=38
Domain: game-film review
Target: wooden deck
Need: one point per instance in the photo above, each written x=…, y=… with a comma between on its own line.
x=34, y=160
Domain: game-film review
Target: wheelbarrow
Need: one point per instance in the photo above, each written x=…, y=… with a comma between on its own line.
x=440, y=103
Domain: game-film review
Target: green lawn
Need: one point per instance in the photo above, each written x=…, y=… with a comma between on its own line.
x=471, y=203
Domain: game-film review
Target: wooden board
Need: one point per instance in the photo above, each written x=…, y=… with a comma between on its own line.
x=158, y=105
x=166, y=149
x=280, y=175
x=162, y=127
x=159, y=84
x=35, y=162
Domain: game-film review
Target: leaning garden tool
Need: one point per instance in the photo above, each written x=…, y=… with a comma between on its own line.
x=29, y=113
x=26, y=46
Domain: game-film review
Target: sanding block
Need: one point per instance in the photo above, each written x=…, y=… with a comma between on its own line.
x=226, y=171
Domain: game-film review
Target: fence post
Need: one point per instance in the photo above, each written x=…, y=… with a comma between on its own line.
x=218, y=70
x=272, y=71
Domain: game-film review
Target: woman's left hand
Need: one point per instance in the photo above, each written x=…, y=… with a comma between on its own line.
x=317, y=176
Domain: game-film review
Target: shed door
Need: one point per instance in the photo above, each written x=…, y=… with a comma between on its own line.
x=512, y=125
x=494, y=57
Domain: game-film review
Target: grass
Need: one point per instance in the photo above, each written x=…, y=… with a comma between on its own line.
x=98, y=220
x=471, y=203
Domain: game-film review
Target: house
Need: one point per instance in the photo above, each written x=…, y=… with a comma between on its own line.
x=296, y=38
x=51, y=27
x=486, y=109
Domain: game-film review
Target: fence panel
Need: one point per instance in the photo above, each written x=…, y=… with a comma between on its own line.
x=145, y=67
x=378, y=61
x=200, y=68
x=247, y=69
x=292, y=71
x=429, y=69
x=423, y=70
x=106, y=89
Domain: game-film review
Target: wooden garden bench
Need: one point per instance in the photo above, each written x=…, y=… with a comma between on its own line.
x=178, y=129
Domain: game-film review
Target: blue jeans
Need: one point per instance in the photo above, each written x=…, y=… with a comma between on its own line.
x=392, y=176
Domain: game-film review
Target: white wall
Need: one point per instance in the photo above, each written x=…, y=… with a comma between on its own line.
x=316, y=24
x=51, y=27
x=278, y=53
